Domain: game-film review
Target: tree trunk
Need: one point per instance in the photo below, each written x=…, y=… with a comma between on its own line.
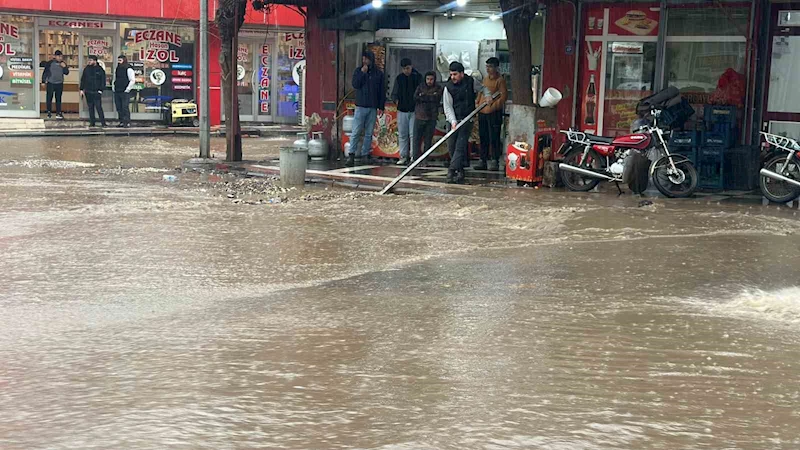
x=229, y=20
x=517, y=17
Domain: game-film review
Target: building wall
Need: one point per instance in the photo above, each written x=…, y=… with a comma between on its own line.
x=151, y=9
x=558, y=68
x=321, y=69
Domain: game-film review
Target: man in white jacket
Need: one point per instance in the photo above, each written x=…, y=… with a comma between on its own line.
x=460, y=94
x=124, y=80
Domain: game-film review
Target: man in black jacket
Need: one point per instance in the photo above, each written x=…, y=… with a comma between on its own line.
x=53, y=77
x=403, y=95
x=93, y=81
x=370, y=86
x=460, y=94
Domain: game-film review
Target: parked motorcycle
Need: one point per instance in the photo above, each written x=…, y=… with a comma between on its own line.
x=589, y=159
x=780, y=176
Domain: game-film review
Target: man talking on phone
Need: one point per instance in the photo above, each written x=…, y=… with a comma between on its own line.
x=370, y=86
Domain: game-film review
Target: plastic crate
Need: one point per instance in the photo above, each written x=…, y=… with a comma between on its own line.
x=684, y=139
x=720, y=115
x=689, y=152
x=721, y=139
x=711, y=168
x=741, y=168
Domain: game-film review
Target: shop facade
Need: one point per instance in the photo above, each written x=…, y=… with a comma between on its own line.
x=431, y=43
x=634, y=50
x=163, y=54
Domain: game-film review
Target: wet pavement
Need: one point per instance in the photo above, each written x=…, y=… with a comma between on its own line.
x=149, y=315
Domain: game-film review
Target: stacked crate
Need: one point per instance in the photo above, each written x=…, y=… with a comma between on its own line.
x=719, y=136
x=684, y=143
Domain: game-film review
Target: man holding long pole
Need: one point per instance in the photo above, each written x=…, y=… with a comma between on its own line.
x=460, y=93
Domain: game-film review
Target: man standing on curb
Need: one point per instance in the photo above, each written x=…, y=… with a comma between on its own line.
x=460, y=93
x=93, y=81
x=490, y=118
x=428, y=97
x=124, y=79
x=53, y=77
x=370, y=86
x=403, y=95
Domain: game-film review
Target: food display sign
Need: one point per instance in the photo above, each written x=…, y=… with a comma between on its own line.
x=385, y=137
x=633, y=20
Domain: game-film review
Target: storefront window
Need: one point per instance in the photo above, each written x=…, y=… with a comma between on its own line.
x=703, y=46
x=291, y=51
x=630, y=76
x=162, y=57
x=707, y=21
x=17, y=68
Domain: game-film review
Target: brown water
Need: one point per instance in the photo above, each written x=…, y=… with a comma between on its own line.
x=148, y=315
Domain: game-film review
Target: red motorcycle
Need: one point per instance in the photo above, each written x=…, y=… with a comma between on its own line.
x=588, y=159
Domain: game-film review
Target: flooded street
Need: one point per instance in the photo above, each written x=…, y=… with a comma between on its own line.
x=148, y=315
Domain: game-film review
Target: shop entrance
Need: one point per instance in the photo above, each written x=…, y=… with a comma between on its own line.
x=68, y=42
x=254, y=79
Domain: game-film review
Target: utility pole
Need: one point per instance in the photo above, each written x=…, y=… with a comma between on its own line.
x=205, y=129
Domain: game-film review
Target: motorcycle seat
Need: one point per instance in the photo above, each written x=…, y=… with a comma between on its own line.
x=599, y=139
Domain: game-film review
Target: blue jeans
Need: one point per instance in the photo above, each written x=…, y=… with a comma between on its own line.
x=405, y=127
x=364, y=123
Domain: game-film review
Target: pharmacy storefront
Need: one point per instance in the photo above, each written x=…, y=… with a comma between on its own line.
x=269, y=75
x=162, y=56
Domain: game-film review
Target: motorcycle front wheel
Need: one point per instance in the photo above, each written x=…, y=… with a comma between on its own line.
x=678, y=183
x=575, y=181
x=780, y=191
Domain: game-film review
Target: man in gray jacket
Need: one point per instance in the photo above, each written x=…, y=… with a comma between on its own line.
x=53, y=77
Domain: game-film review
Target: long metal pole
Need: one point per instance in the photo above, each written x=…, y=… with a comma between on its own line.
x=205, y=129
x=441, y=141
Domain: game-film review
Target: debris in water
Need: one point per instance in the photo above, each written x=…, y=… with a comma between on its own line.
x=645, y=203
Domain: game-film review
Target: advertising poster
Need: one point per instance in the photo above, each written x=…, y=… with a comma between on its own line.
x=633, y=20
x=385, y=138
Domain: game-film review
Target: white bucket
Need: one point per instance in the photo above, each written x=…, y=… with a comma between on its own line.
x=550, y=98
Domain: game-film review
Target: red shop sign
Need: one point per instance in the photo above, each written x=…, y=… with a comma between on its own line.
x=181, y=73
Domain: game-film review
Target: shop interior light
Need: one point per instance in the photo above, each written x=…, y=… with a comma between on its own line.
x=461, y=2
x=377, y=4
x=494, y=17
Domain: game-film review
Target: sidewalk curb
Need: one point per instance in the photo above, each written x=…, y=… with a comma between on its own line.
x=149, y=131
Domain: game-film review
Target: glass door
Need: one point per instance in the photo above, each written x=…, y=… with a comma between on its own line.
x=254, y=79
x=629, y=77
x=102, y=46
x=245, y=76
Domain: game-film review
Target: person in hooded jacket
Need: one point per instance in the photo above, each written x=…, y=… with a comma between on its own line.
x=428, y=97
x=93, y=81
x=370, y=85
x=403, y=95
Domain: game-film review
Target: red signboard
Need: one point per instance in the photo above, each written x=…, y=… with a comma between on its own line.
x=181, y=80
x=181, y=73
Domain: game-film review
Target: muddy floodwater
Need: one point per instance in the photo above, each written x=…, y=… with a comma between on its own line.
x=142, y=314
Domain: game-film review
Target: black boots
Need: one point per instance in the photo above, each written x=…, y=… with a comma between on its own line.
x=454, y=177
x=481, y=165
x=351, y=160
